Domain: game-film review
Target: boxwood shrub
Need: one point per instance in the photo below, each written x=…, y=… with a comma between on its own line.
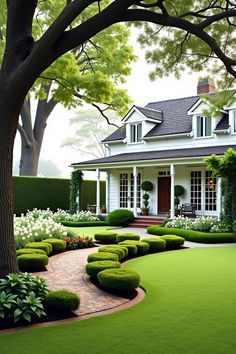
x=32, y=262
x=106, y=236
x=120, y=217
x=155, y=244
x=102, y=256
x=192, y=235
x=40, y=245
x=173, y=241
x=142, y=247
x=57, y=245
x=125, y=249
x=119, y=279
x=83, y=223
x=127, y=236
x=113, y=249
x=29, y=251
x=132, y=249
x=62, y=300
x=93, y=268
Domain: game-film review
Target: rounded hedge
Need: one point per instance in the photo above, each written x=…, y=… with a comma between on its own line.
x=102, y=256
x=173, y=241
x=179, y=190
x=32, y=261
x=106, y=237
x=57, y=244
x=112, y=249
x=40, y=245
x=127, y=236
x=125, y=249
x=147, y=186
x=132, y=249
x=93, y=268
x=142, y=247
x=120, y=217
x=119, y=279
x=29, y=251
x=62, y=300
x=155, y=244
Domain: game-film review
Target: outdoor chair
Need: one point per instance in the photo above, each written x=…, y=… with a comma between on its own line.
x=188, y=209
x=92, y=207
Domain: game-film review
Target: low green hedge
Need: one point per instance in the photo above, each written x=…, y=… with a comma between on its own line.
x=40, y=245
x=93, y=268
x=127, y=236
x=142, y=247
x=32, y=262
x=106, y=236
x=119, y=279
x=192, y=235
x=132, y=249
x=120, y=217
x=57, y=244
x=113, y=249
x=102, y=256
x=62, y=300
x=155, y=244
x=173, y=241
x=83, y=223
x=125, y=249
x=29, y=251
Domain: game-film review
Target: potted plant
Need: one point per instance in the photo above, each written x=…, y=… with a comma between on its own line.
x=146, y=186
x=179, y=191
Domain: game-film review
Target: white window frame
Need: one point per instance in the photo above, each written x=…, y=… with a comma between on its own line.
x=136, y=128
x=234, y=122
x=198, y=117
x=125, y=191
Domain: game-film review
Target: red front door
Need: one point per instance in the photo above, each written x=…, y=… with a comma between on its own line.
x=163, y=198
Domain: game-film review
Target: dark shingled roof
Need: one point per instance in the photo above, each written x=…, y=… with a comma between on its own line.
x=119, y=134
x=223, y=124
x=175, y=116
x=150, y=113
x=159, y=155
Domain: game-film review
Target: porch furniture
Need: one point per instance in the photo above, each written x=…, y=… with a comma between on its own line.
x=92, y=207
x=188, y=209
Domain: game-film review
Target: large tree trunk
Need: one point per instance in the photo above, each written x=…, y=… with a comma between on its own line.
x=29, y=160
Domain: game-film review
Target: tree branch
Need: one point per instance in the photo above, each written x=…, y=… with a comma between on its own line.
x=24, y=136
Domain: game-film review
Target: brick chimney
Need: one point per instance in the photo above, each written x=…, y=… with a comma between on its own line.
x=206, y=86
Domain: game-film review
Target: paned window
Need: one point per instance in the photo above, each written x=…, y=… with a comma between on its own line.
x=203, y=126
x=124, y=190
x=138, y=190
x=136, y=133
x=210, y=191
x=196, y=189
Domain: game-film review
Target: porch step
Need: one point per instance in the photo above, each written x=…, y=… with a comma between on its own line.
x=142, y=221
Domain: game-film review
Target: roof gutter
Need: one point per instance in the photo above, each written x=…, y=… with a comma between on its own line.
x=169, y=136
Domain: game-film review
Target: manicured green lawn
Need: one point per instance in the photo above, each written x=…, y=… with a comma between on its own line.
x=90, y=231
x=190, y=308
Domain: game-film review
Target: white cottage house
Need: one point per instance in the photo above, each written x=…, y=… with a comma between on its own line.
x=166, y=143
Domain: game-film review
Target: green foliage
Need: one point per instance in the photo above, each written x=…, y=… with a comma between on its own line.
x=57, y=245
x=22, y=296
x=142, y=247
x=227, y=216
x=29, y=251
x=75, y=190
x=32, y=262
x=147, y=186
x=179, y=190
x=102, y=256
x=106, y=236
x=191, y=235
x=132, y=249
x=83, y=223
x=125, y=249
x=40, y=245
x=173, y=241
x=62, y=300
x=119, y=279
x=88, y=193
x=224, y=166
x=120, y=217
x=78, y=242
x=155, y=244
x=93, y=268
x=127, y=236
x=113, y=249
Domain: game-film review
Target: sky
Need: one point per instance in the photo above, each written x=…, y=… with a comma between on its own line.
x=141, y=90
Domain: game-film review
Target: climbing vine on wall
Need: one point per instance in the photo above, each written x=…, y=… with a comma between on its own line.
x=75, y=189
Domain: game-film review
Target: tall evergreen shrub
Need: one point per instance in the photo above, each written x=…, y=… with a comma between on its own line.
x=75, y=190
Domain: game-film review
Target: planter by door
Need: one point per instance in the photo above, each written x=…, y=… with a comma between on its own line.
x=163, y=197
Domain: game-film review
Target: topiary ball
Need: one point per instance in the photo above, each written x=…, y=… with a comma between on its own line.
x=93, y=268
x=173, y=241
x=29, y=251
x=106, y=237
x=120, y=217
x=102, y=256
x=40, y=245
x=57, y=244
x=142, y=247
x=155, y=244
x=113, y=249
x=179, y=190
x=119, y=279
x=147, y=186
x=32, y=262
x=62, y=300
x=127, y=236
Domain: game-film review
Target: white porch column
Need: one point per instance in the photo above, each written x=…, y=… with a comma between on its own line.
x=219, y=198
x=135, y=174
x=107, y=191
x=98, y=191
x=172, y=191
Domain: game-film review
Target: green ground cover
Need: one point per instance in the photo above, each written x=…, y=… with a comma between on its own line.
x=89, y=231
x=189, y=309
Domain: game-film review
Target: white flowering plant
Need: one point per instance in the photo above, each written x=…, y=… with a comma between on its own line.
x=180, y=222
x=201, y=223
x=62, y=215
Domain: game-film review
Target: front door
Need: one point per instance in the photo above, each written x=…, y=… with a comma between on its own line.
x=163, y=198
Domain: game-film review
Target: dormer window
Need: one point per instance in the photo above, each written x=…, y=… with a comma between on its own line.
x=203, y=126
x=136, y=133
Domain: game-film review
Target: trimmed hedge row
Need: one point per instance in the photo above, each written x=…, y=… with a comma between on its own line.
x=93, y=268
x=40, y=245
x=62, y=300
x=102, y=256
x=83, y=223
x=32, y=262
x=119, y=279
x=192, y=235
x=106, y=236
